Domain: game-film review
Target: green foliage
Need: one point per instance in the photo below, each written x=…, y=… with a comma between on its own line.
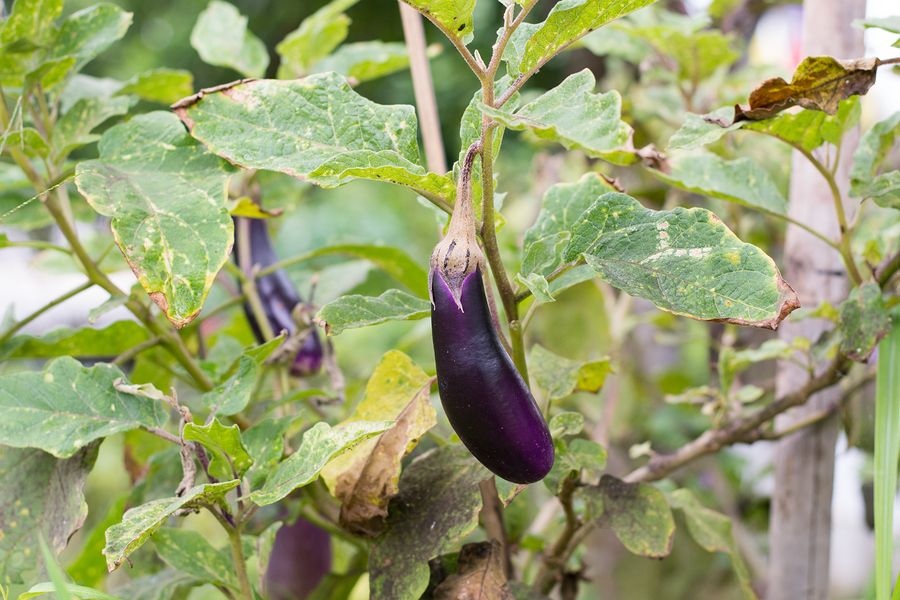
x=221, y=38
x=359, y=311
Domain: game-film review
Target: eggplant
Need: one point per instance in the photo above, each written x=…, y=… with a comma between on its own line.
x=279, y=297
x=485, y=398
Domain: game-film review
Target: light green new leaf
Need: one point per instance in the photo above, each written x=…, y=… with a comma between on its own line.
x=162, y=85
x=83, y=36
x=870, y=153
x=699, y=130
x=73, y=129
x=538, y=286
x=566, y=423
x=713, y=532
x=437, y=505
x=30, y=20
x=365, y=61
x=350, y=312
x=40, y=496
x=296, y=126
x=67, y=406
x=576, y=118
x=315, y=38
x=158, y=586
x=545, y=254
x=232, y=395
x=320, y=444
x=113, y=303
x=265, y=444
x=560, y=376
x=568, y=21
x=453, y=16
x=190, y=552
x=741, y=180
x=166, y=195
x=385, y=165
x=140, y=522
x=85, y=342
x=685, y=261
x=76, y=591
x=636, y=512
x=228, y=457
x=864, y=320
x=222, y=39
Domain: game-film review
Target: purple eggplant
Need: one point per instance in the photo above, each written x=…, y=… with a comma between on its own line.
x=485, y=398
x=279, y=297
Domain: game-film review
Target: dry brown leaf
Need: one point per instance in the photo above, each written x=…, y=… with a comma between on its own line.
x=479, y=575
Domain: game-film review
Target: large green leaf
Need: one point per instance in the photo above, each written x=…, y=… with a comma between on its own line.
x=221, y=38
x=636, y=512
x=158, y=586
x=67, y=406
x=741, y=180
x=348, y=312
x=297, y=126
x=870, y=153
x=686, y=261
x=315, y=38
x=438, y=504
x=713, y=531
x=232, y=395
x=191, y=553
x=166, y=196
x=30, y=20
x=568, y=21
x=576, y=118
x=140, y=522
x=84, y=35
x=320, y=444
x=454, y=16
x=73, y=129
x=228, y=457
x=864, y=320
x=162, y=85
x=88, y=342
x=40, y=497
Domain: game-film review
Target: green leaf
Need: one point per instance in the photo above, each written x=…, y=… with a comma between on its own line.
x=453, y=16
x=222, y=39
x=887, y=450
x=228, y=457
x=437, y=505
x=84, y=35
x=565, y=466
x=538, y=285
x=365, y=61
x=164, y=86
x=320, y=444
x=566, y=423
x=67, y=406
x=544, y=255
x=515, y=49
x=191, y=553
x=265, y=444
x=803, y=128
x=86, y=342
x=741, y=180
x=393, y=261
x=349, y=312
x=560, y=376
x=590, y=455
x=885, y=190
x=265, y=542
x=699, y=130
x=76, y=591
x=571, y=459
x=90, y=568
x=864, y=321
x=870, y=153
x=387, y=166
x=59, y=584
x=713, y=532
x=73, y=129
x=268, y=124
x=113, y=303
x=847, y=116
x=166, y=196
x=576, y=118
x=568, y=21
x=315, y=38
x=158, y=586
x=30, y=20
x=636, y=512
x=697, y=55
x=232, y=395
x=685, y=261
x=139, y=523
x=40, y=496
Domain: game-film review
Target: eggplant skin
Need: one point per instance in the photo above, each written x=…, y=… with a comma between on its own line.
x=486, y=400
x=279, y=297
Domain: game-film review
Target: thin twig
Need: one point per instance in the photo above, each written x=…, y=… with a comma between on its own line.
x=56, y=301
x=554, y=560
x=135, y=350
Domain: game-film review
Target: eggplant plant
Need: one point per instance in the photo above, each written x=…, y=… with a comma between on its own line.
x=600, y=309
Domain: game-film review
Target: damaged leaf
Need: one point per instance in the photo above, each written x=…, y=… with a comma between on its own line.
x=479, y=574
x=864, y=321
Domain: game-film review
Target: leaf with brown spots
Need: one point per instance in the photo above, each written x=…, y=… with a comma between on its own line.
x=479, y=575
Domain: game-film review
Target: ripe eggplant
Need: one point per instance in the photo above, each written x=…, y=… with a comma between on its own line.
x=279, y=297
x=485, y=398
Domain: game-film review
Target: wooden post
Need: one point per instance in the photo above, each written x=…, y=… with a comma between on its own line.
x=800, y=525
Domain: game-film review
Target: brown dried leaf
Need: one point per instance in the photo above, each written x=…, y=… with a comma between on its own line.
x=819, y=83
x=479, y=575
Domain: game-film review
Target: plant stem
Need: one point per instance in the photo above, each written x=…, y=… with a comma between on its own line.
x=237, y=553
x=508, y=31
x=19, y=325
x=135, y=350
x=36, y=244
x=555, y=559
x=457, y=42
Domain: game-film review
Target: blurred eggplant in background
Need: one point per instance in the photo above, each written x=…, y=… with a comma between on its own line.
x=279, y=298
x=300, y=558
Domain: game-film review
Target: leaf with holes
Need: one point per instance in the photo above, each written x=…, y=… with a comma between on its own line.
x=166, y=195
